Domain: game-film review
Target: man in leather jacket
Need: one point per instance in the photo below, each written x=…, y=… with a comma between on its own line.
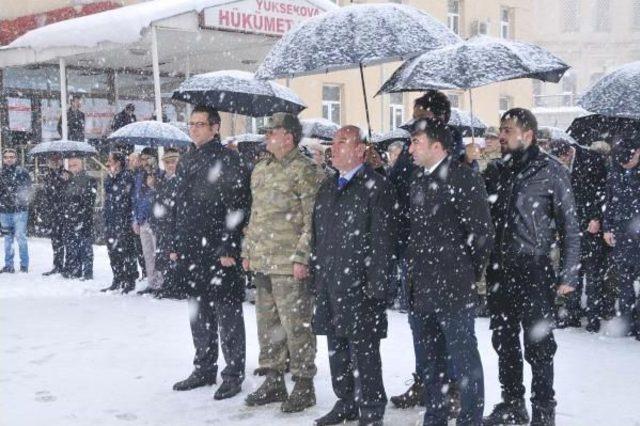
x=534, y=208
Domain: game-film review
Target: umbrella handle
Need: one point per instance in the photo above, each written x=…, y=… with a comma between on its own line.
x=473, y=136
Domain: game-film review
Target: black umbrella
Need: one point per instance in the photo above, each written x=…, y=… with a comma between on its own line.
x=474, y=63
x=616, y=94
x=355, y=36
x=151, y=133
x=596, y=127
x=65, y=148
x=238, y=92
x=319, y=128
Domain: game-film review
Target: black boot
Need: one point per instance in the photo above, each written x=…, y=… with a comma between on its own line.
x=195, y=380
x=340, y=413
x=543, y=415
x=7, y=270
x=412, y=397
x=147, y=290
x=228, y=388
x=508, y=413
x=302, y=396
x=112, y=287
x=51, y=272
x=272, y=390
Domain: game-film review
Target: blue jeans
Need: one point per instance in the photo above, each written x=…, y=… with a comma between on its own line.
x=447, y=344
x=79, y=251
x=15, y=225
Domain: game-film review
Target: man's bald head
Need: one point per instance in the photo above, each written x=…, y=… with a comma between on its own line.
x=348, y=148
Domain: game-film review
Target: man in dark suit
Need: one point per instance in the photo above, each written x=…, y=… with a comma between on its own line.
x=353, y=246
x=449, y=246
x=588, y=180
x=213, y=199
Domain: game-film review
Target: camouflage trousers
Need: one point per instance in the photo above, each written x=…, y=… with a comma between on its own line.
x=284, y=308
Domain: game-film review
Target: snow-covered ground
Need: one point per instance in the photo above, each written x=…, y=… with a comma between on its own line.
x=70, y=355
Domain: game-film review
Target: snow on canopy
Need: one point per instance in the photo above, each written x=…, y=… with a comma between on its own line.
x=353, y=35
x=473, y=63
x=151, y=133
x=616, y=94
x=121, y=26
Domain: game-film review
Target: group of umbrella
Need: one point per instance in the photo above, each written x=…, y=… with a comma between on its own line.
x=362, y=35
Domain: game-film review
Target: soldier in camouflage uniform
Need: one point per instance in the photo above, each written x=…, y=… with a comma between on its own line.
x=276, y=251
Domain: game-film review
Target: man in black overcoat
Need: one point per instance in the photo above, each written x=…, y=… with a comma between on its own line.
x=449, y=246
x=353, y=246
x=588, y=180
x=213, y=199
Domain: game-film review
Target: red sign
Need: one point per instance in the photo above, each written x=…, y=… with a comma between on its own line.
x=270, y=17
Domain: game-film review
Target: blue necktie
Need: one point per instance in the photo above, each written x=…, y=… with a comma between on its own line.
x=342, y=182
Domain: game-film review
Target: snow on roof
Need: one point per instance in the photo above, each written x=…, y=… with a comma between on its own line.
x=122, y=25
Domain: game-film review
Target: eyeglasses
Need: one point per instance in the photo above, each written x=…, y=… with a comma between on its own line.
x=198, y=124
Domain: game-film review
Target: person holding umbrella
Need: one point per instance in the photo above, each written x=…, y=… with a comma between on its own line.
x=534, y=208
x=79, y=198
x=213, y=199
x=622, y=227
x=52, y=213
x=353, y=248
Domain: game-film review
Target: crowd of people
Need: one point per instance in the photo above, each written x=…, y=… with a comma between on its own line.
x=331, y=242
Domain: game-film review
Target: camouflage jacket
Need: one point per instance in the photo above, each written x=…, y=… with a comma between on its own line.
x=279, y=229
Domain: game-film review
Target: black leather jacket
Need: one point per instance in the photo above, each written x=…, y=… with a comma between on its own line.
x=533, y=209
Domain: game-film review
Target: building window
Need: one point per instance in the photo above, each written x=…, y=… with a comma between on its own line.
x=453, y=16
x=570, y=16
x=569, y=88
x=602, y=17
x=635, y=23
x=331, y=100
x=255, y=124
x=506, y=103
x=396, y=110
x=454, y=98
x=505, y=22
x=479, y=28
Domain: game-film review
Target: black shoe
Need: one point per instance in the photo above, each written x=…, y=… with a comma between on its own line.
x=112, y=287
x=195, y=380
x=272, y=390
x=593, y=326
x=147, y=290
x=127, y=288
x=412, y=397
x=569, y=323
x=51, y=272
x=7, y=270
x=507, y=413
x=227, y=389
x=363, y=422
x=543, y=415
x=260, y=371
x=24, y=269
x=340, y=413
